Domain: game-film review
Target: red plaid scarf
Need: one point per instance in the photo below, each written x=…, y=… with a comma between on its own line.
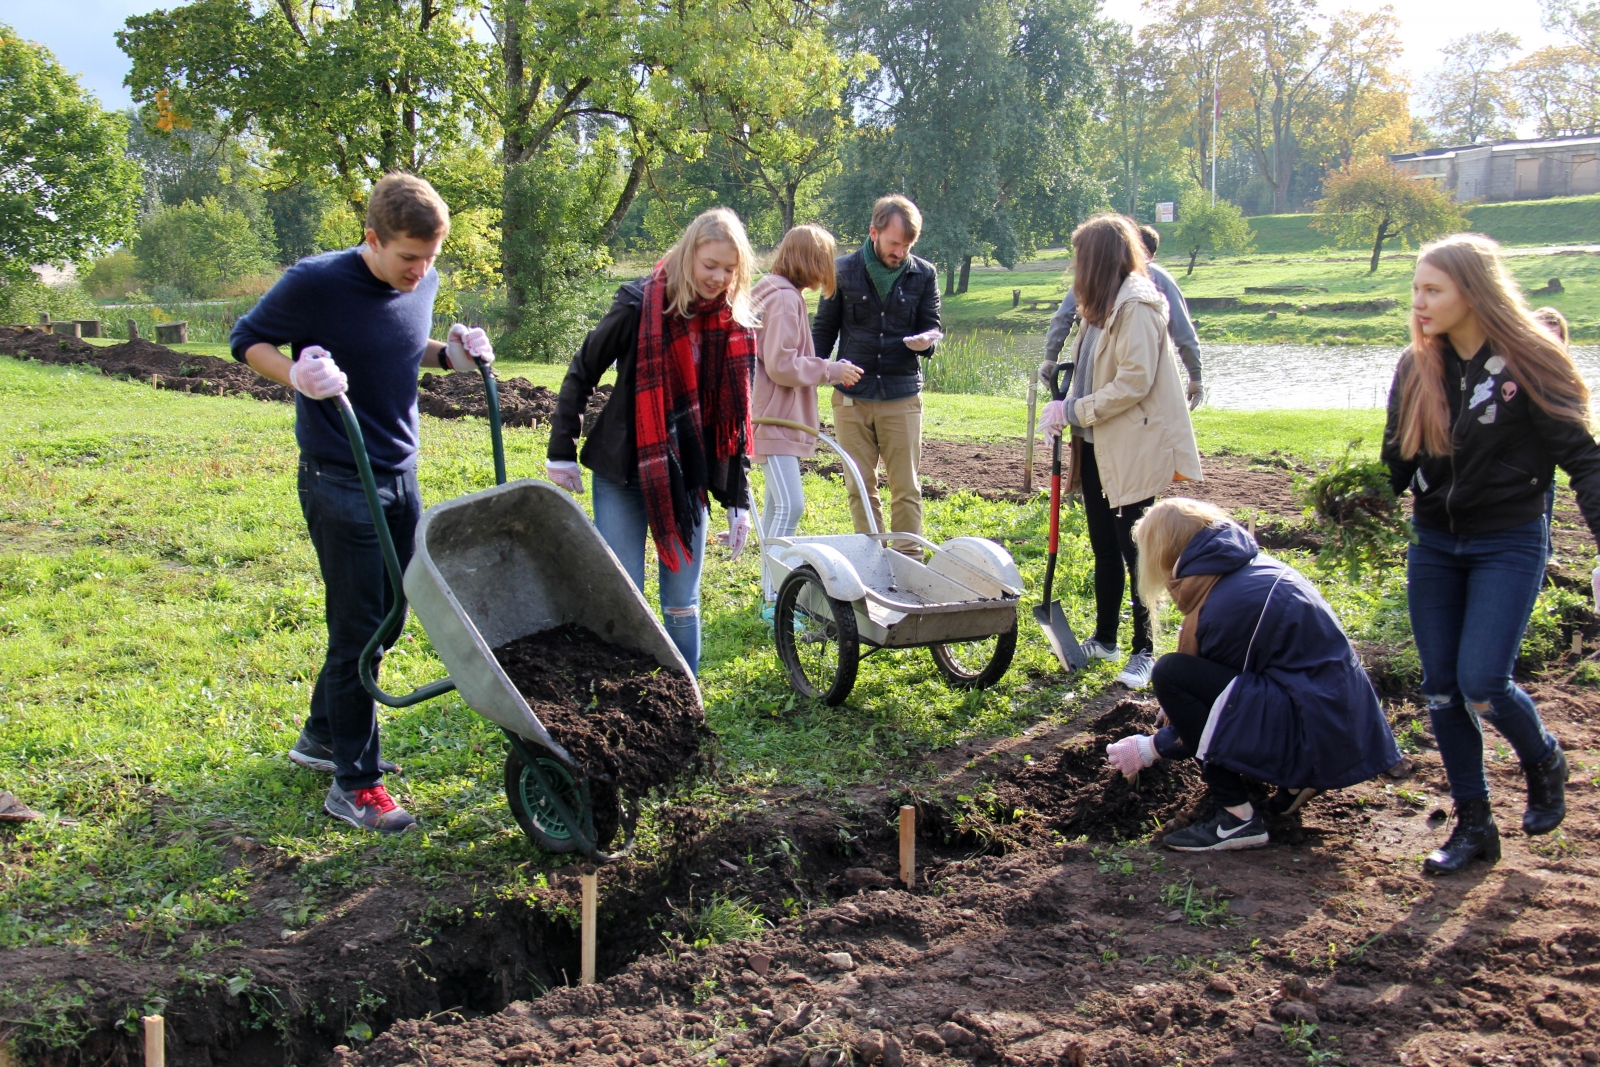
x=692, y=423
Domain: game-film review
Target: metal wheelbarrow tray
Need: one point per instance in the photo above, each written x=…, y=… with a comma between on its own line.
x=839, y=592
x=489, y=568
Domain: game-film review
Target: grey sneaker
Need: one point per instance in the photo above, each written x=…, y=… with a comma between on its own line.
x=368, y=809
x=1094, y=648
x=313, y=755
x=1136, y=673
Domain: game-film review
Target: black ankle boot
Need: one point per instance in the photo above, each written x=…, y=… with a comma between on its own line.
x=1547, y=794
x=1475, y=835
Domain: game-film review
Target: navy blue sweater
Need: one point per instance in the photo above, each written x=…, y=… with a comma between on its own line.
x=378, y=336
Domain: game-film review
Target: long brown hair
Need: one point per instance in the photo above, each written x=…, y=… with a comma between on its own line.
x=1105, y=250
x=1537, y=359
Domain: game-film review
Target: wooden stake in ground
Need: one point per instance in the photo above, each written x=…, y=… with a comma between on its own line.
x=908, y=845
x=155, y=1041
x=591, y=894
x=1033, y=407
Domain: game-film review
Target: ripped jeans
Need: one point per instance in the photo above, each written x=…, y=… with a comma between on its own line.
x=619, y=515
x=1470, y=598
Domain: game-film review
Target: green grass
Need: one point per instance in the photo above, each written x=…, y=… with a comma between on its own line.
x=987, y=303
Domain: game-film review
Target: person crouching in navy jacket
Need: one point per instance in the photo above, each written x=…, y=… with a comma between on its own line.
x=1264, y=685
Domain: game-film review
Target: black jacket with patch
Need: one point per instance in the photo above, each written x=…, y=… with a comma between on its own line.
x=1506, y=451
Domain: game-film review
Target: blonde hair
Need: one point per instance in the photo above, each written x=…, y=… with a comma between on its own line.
x=1552, y=319
x=1161, y=536
x=404, y=205
x=894, y=206
x=1538, y=360
x=805, y=257
x=718, y=224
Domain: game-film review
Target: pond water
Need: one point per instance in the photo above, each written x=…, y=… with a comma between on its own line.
x=1256, y=375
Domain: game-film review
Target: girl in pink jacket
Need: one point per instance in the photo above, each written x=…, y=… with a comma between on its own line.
x=787, y=375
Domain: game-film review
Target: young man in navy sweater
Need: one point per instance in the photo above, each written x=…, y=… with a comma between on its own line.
x=357, y=321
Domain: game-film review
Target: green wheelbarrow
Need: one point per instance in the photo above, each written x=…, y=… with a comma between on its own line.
x=494, y=566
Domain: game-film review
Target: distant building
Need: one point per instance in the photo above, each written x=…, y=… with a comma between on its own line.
x=1510, y=170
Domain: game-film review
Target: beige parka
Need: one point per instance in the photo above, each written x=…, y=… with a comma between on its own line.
x=1143, y=439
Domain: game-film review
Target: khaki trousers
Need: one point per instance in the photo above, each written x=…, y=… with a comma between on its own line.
x=891, y=431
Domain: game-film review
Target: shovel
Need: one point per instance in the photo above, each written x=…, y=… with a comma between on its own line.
x=1051, y=618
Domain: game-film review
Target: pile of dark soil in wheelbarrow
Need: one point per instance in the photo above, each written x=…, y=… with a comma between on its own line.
x=147, y=362
x=618, y=712
x=454, y=396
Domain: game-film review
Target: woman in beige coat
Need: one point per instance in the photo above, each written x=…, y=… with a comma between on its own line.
x=1131, y=434
x=787, y=375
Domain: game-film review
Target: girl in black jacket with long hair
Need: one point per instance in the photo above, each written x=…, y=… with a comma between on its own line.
x=1485, y=403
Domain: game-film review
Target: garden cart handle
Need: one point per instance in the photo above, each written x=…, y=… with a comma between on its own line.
x=849, y=463
x=392, y=624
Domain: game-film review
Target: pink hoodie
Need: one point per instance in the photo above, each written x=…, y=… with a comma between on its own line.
x=787, y=370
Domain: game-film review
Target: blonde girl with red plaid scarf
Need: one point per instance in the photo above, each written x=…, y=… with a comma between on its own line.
x=676, y=431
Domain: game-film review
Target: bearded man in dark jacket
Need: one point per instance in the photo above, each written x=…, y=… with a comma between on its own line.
x=884, y=314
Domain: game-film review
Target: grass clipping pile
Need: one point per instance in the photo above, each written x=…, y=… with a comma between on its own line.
x=622, y=716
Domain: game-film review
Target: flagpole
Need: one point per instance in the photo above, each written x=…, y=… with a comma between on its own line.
x=1216, y=113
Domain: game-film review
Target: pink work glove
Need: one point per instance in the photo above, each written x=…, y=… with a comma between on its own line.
x=1131, y=755
x=1053, y=419
x=738, y=530
x=463, y=345
x=566, y=474
x=316, y=374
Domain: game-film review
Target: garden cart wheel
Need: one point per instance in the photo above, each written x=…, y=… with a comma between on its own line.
x=975, y=664
x=816, y=636
x=538, y=817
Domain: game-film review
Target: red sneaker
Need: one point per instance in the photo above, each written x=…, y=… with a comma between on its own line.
x=369, y=809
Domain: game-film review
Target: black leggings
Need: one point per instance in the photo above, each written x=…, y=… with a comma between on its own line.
x=1187, y=686
x=1111, y=539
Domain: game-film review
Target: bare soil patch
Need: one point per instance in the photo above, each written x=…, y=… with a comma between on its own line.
x=621, y=715
x=147, y=362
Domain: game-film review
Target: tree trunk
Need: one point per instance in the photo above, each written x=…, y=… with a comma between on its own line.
x=511, y=149
x=1194, y=254
x=950, y=278
x=790, y=193
x=1377, y=245
x=966, y=273
x=625, y=201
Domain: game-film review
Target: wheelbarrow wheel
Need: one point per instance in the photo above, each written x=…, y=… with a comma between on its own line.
x=976, y=664
x=538, y=817
x=817, y=639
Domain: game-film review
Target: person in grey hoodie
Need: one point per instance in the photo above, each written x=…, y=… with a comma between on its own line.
x=1179, y=326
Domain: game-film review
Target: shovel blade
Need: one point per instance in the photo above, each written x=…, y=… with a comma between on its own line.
x=1058, y=631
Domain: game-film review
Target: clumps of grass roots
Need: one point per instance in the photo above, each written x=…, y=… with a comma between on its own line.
x=723, y=919
x=1357, y=512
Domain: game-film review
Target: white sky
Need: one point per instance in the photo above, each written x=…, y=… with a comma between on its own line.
x=80, y=32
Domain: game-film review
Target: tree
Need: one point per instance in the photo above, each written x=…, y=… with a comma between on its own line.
x=200, y=249
x=1286, y=55
x=1137, y=120
x=978, y=112
x=1472, y=95
x=1219, y=229
x=65, y=188
x=1561, y=85
x=1208, y=69
x=1369, y=200
x=1366, y=109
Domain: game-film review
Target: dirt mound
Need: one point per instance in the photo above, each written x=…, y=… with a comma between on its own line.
x=621, y=715
x=148, y=362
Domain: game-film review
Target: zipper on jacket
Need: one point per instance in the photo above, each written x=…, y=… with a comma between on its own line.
x=1461, y=400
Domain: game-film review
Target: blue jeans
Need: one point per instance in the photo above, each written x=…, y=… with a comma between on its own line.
x=619, y=515
x=343, y=714
x=1470, y=598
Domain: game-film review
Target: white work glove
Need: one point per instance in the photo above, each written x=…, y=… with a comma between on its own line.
x=921, y=342
x=738, y=530
x=1594, y=584
x=463, y=345
x=1131, y=755
x=316, y=374
x=1054, y=419
x=565, y=473
x=1195, y=392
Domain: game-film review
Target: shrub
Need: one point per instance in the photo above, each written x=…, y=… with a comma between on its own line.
x=200, y=249
x=112, y=276
x=1356, y=509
